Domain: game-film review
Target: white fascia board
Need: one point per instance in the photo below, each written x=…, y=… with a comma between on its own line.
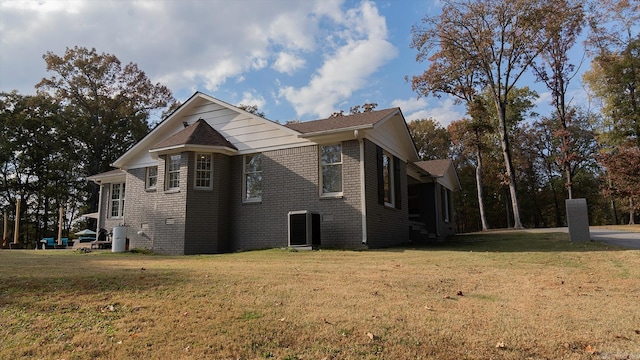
x=108, y=179
x=201, y=148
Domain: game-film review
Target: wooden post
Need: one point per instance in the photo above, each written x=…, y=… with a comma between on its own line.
x=16, y=233
x=60, y=226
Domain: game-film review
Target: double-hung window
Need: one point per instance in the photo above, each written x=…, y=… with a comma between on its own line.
x=173, y=172
x=151, y=177
x=117, y=201
x=252, y=186
x=331, y=170
x=204, y=170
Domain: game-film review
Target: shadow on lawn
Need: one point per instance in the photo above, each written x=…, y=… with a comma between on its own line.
x=28, y=286
x=513, y=241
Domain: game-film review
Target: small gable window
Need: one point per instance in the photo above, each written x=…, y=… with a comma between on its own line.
x=331, y=170
x=204, y=171
x=173, y=172
x=252, y=186
x=117, y=201
x=151, y=177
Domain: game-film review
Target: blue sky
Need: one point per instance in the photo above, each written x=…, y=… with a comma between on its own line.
x=293, y=59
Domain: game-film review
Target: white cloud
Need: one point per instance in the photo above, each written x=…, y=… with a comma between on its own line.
x=411, y=104
x=362, y=50
x=443, y=110
x=288, y=63
x=252, y=98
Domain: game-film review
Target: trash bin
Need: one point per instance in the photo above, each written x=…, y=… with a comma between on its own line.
x=119, y=242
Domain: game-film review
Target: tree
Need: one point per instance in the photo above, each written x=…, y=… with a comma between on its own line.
x=108, y=104
x=431, y=139
x=556, y=72
x=38, y=162
x=495, y=42
x=614, y=78
x=253, y=109
x=469, y=136
x=366, y=107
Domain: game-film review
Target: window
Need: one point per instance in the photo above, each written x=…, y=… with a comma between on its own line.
x=117, y=200
x=252, y=178
x=173, y=172
x=389, y=179
x=151, y=177
x=331, y=169
x=387, y=174
x=203, y=171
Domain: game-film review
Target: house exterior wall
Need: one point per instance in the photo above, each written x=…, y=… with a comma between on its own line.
x=193, y=221
x=168, y=212
x=207, y=210
x=140, y=212
x=291, y=183
x=385, y=226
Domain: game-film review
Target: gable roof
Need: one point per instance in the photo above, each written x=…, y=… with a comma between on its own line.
x=443, y=170
x=360, y=120
x=246, y=132
x=198, y=133
x=436, y=168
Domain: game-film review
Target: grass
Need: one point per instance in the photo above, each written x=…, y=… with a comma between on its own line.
x=501, y=296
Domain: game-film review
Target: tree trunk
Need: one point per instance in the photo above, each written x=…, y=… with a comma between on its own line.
x=506, y=152
x=483, y=215
x=632, y=213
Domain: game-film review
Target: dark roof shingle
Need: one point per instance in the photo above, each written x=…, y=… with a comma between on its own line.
x=198, y=133
x=436, y=168
x=341, y=122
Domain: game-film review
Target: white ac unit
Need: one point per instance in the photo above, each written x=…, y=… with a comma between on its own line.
x=304, y=228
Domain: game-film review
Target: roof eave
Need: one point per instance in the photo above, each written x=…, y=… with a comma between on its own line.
x=190, y=147
x=335, y=131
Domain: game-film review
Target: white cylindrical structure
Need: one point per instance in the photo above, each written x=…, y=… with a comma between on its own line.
x=119, y=242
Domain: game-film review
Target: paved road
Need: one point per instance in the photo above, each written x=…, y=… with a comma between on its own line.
x=626, y=239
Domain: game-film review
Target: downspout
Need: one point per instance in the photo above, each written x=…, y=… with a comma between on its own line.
x=435, y=196
x=363, y=197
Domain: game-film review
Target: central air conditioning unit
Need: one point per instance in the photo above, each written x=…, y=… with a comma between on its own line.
x=304, y=228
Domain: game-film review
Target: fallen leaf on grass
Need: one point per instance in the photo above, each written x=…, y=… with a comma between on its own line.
x=460, y=293
x=590, y=350
x=371, y=336
x=637, y=332
x=326, y=321
x=282, y=319
x=500, y=345
x=429, y=308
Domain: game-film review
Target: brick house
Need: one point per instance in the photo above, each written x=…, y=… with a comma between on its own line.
x=213, y=178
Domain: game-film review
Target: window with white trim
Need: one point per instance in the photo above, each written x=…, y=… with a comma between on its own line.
x=387, y=174
x=252, y=174
x=151, y=177
x=331, y=170
x=204, y=171
x=173, y=172
x=117, y=201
